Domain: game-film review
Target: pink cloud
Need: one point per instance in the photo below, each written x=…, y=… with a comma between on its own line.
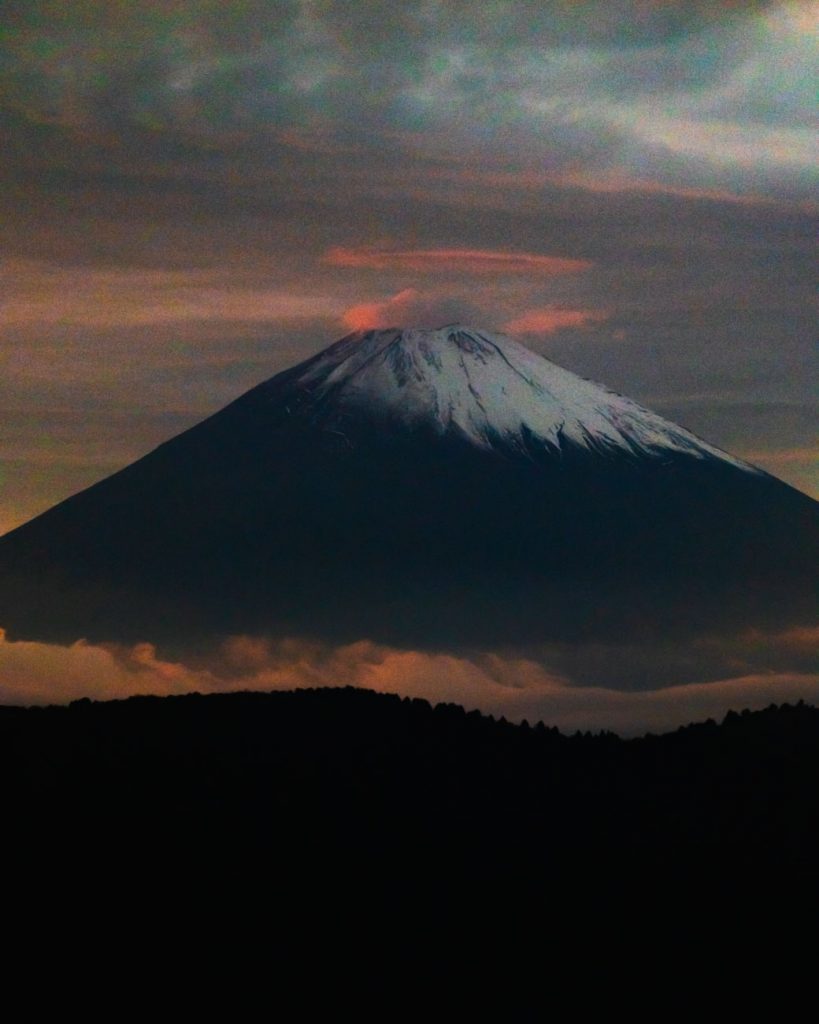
x=472, y=261
x=407, y=307
x=548, y=319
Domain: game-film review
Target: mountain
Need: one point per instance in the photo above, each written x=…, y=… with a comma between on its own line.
x=419, y=486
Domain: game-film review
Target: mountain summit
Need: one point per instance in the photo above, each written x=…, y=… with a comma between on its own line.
x=426, y=487
x=485, y=389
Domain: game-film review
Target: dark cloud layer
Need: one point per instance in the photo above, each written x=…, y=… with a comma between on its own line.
x=676, y=92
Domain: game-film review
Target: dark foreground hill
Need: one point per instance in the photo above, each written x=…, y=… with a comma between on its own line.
x=355, y=790
x=356, y=849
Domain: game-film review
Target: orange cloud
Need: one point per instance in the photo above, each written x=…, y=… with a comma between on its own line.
x=407, y=307
x=380, y=314
x=501, y=684
x=549, y=319
x=471, y=261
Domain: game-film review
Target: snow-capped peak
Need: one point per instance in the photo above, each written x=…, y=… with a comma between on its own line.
x=488, y=389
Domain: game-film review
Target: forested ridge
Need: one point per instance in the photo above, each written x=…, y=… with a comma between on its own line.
x=329, y=773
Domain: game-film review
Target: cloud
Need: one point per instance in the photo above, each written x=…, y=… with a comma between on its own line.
x=783, y=456
x=37, y=673
x=514, y=685
x=156, y=63
x=549, y=319
x=455, y=260
x=39, y=293
x=409, y=307
x=663, y=710
x=799, y=466
x=594, y=87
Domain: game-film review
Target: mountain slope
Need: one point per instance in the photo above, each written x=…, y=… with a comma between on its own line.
x=425, y=487
x=489, y=390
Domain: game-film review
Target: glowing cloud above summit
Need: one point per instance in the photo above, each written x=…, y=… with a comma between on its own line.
x=471, y=261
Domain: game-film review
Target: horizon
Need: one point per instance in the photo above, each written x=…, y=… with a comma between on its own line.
x=567, y=730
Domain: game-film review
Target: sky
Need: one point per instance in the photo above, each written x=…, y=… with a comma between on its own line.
x=195, y=196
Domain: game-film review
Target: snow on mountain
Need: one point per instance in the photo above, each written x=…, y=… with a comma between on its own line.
x=488, y=389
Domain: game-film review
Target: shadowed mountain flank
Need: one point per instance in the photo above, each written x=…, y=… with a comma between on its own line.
x=420, y=487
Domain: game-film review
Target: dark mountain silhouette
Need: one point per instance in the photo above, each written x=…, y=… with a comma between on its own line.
x=349, y=798
x=425, y=488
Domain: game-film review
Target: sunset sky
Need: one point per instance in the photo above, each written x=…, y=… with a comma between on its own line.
x=196, y=195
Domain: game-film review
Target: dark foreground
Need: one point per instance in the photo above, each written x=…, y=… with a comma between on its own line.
x=345, y=812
